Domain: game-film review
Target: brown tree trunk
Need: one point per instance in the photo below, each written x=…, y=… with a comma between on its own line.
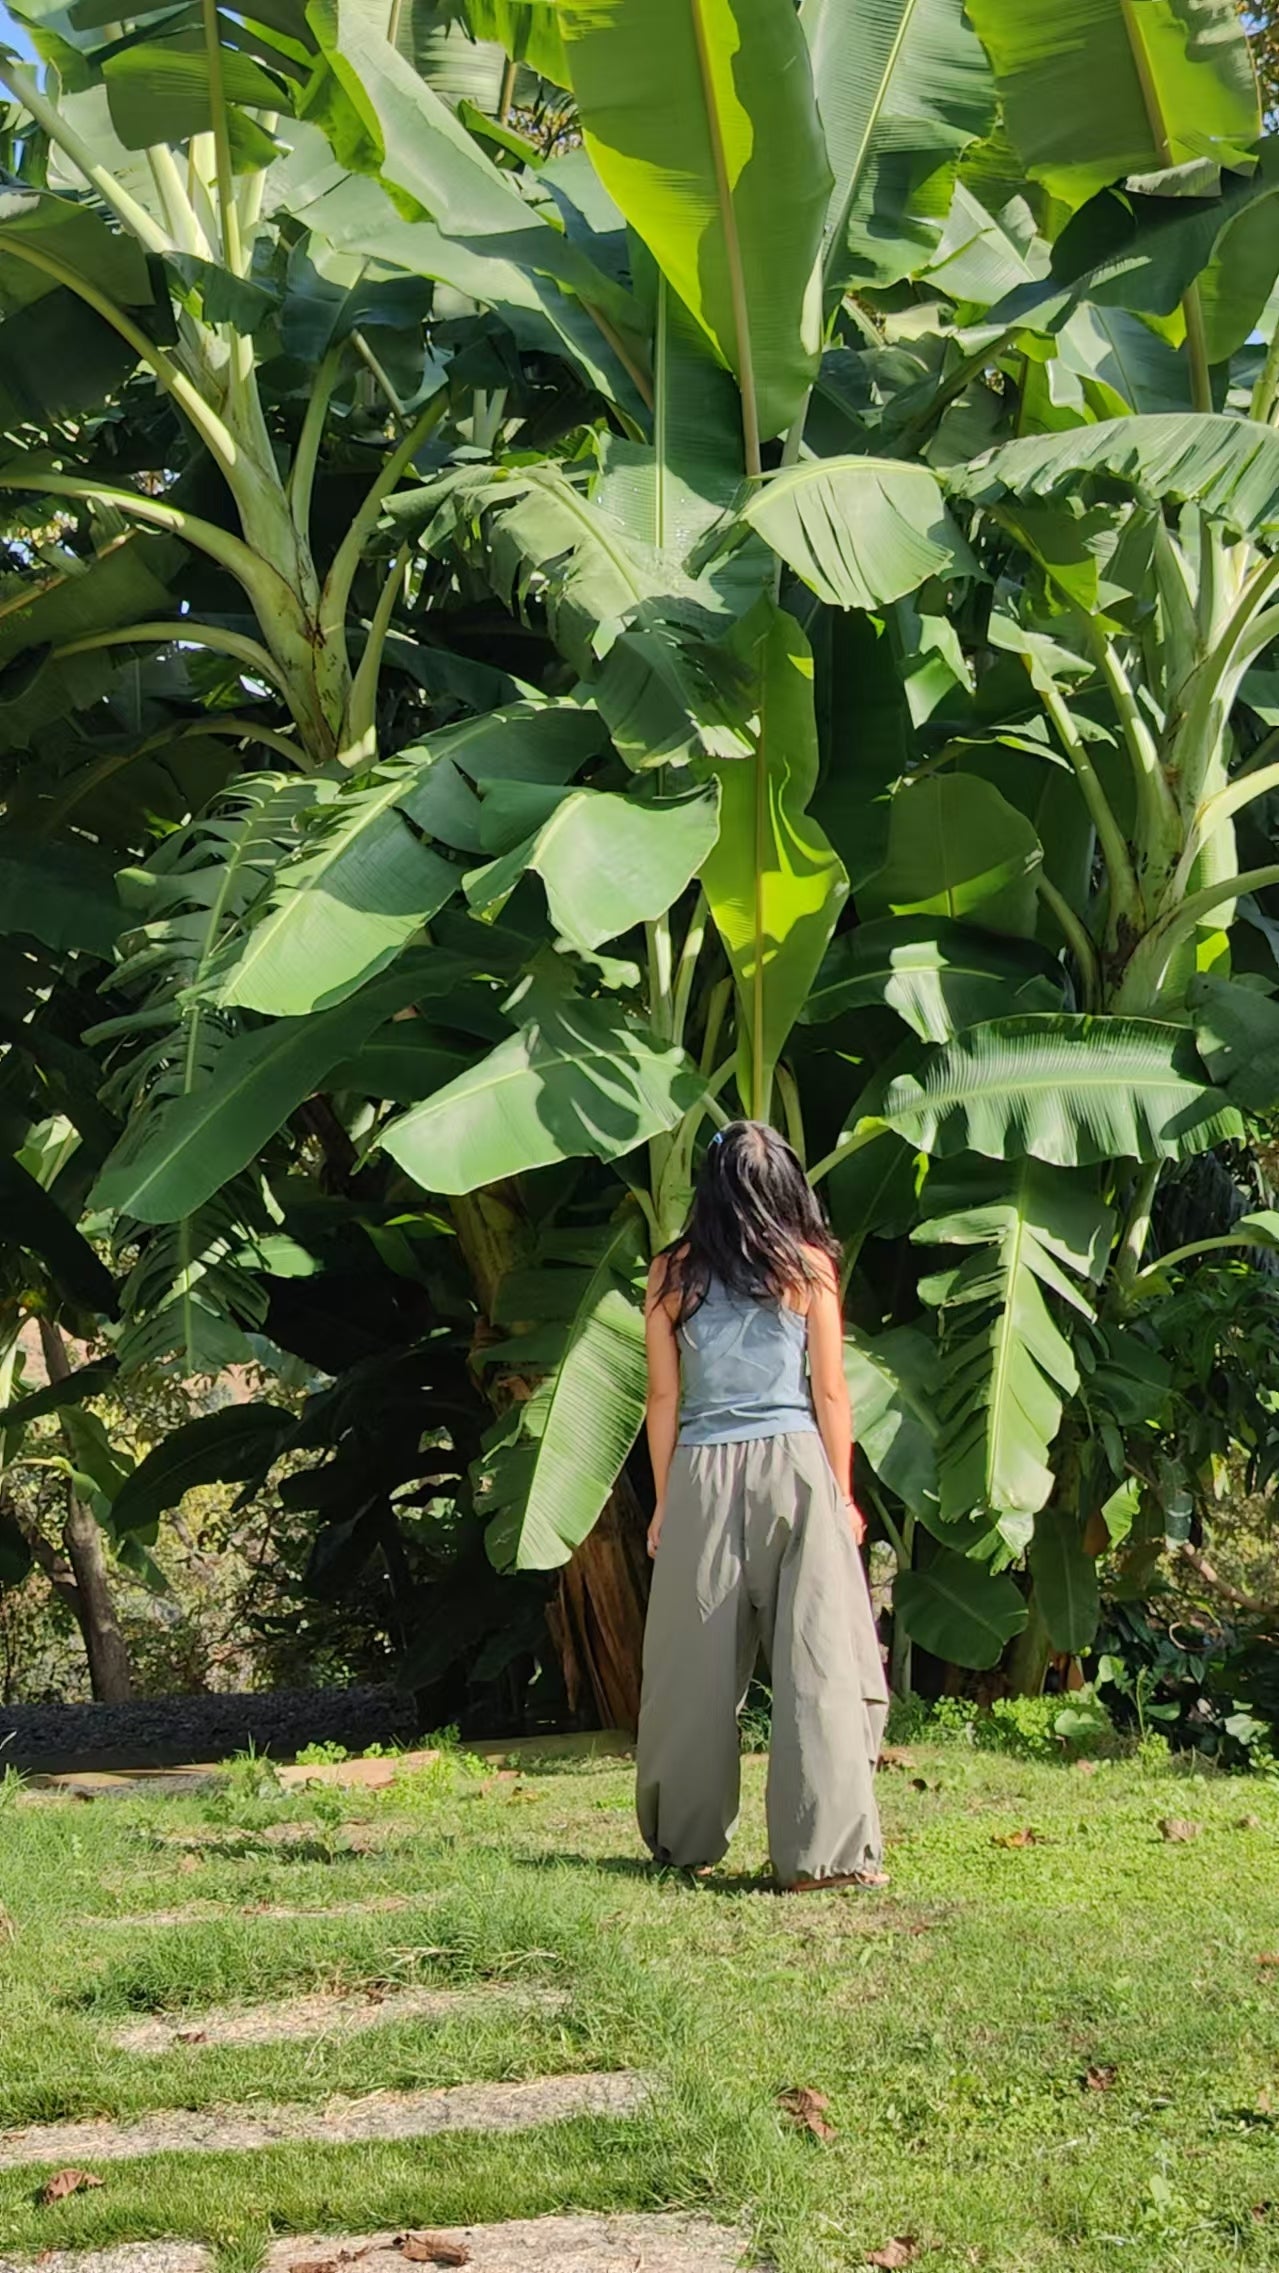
x=597, y=1620
x=110, y=1675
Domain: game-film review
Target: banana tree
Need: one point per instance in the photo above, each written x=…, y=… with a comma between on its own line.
x=618, y=583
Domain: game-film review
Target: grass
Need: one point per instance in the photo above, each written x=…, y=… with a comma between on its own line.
x=951, y=2020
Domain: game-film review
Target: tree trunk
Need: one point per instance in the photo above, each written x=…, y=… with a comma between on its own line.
x=110, y=1675
x=1028, y=1656
x=597, y=1619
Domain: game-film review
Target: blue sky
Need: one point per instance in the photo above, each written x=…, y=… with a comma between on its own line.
x=13, y=35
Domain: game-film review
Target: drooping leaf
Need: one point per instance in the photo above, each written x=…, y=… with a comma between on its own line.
x=1067, y=1089
x=700, y=118
x=1065, y=1579
x=35, y=1224
x=1092, y=93
x=170, y=1162
x=607, y=862
x=589, y=1422
x=62, y=894
x=957, y=848
x=938, y=976
x=903, y=88
x=578, y=1078
x=894, y=1381
x=529, y=30
x=1237, y=1028
x=222, y=1447
x=1033, y=1232
x=84, y=1381
x=959, y=1609
x=1228, y=466
x=859, y=531
x=773, y=884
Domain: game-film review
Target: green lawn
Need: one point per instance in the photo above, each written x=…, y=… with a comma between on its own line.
x=951, y=2020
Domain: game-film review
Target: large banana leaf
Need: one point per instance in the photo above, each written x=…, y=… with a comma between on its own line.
x=1237, y=1029
x=1006, y=1363
x=607, y=862
x=958, y=1609
x=1093, y=90
x=773, y=884
x=957, y=848
x=587, y=1423
x=939, y=977
x=64, y=895
x=532, y=530
x=700, y=117
x=903, y=88
x=362, y=881
x=529, y=30
x=222, y=1447
x=1228, y=466
x=1067, y=1089
x=169, y=1162
x=1066, y=1588
x=64, y=231
x=578, y=1078
x=859, y=531
x=893, y=1382
x=33, y=1223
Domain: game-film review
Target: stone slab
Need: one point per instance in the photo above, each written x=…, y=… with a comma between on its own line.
x=325, y=2014
x=537, y=2245
x=339, y=2122
x=124, y=2257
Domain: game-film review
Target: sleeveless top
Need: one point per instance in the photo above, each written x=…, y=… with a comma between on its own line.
x=743, y=1370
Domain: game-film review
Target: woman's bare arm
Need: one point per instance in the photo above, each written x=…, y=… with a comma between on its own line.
x=830, y=1389
x=662, y=1410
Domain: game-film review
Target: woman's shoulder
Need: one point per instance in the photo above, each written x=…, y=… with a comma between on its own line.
x=665, y=1275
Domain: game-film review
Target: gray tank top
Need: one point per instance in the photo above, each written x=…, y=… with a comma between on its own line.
x=743, y=1370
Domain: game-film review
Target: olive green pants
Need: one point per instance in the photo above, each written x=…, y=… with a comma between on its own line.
x=757, y=1550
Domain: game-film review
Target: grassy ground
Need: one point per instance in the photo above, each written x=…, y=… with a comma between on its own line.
x=951, y=2020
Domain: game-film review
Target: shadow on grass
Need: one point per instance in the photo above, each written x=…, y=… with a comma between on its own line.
x=640, y=1867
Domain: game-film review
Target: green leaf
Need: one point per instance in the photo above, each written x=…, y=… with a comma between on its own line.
x=34, y=1224
x=169, y=1162
x=700, y=118
x=63, y=895
x=894, y=1380
x=1092, y=92
x=1032, y=1231
x=773, y=884
x=958, y=1609
x=665, y=699
x=130, y=579
x=1068, y=1089
x=860, y=532
x=216, y=1448
x=529, y=30
x=1237, y=1029
x=578, y=1078
x=158, y=91
x=1227, y=466
x=591, y=1418
x=902, y=88
x=939, y=977
x=77, y=238
x=607, y=861
x=956, y=848
x=85, y=1381
x=1065, y=1579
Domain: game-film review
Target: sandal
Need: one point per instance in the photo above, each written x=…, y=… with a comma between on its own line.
x=828, y=1885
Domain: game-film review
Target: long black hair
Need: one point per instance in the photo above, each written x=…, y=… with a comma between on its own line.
x=754, y=1223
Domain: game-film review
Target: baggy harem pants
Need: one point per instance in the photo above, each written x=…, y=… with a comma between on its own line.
x=756, y=1549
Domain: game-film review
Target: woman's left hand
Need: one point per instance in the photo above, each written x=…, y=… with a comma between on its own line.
x=857, y=1519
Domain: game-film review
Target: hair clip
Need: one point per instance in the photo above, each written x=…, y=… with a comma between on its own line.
x=717, y=1139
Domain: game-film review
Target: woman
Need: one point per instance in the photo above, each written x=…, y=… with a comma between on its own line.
x=755, y=1534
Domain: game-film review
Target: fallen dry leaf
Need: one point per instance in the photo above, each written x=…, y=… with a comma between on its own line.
x=1268, y=1957
x=1248, y=1823
x=64, y=2182
x=1087, y=1767
x=193, y=2036
x=903, y=2249
x=314, y=2265
x=1261, y=2211
x=1176, y=1830
x=7, y=1927
x=432, y=2249
x=1100, y=2076
x=807, y=2108
x=1026, y=1838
